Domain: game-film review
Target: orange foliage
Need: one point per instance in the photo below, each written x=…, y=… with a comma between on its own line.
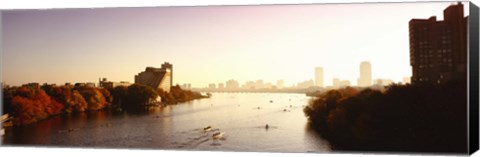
x=31, y=105
x=78, y=102
x=94, y=98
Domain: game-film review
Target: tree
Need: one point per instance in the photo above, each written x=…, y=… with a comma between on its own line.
x=420, y=118
x=31, y=104
x=77, y=103
x=107, y=95
x=166, y=97
x=8, y=94
x=139, y=96
x=120, y=97
x=93, y=97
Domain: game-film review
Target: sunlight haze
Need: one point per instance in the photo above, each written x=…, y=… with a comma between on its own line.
x=211, y=44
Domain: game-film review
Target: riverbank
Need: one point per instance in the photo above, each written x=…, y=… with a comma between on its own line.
x=403, y=118
x=178, y=95
x=32, y=103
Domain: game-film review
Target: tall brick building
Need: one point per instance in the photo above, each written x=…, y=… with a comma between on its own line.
x=438, y=49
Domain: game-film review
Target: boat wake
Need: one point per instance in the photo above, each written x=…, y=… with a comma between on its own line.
x=200, y=136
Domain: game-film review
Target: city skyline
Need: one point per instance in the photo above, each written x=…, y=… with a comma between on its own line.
x=318, y=78
x=364, y=80
x=80, y=45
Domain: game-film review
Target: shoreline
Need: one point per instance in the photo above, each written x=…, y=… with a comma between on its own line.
x=30, y=103
x=403, y=118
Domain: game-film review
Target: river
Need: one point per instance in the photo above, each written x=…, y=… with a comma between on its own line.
x=241, y=117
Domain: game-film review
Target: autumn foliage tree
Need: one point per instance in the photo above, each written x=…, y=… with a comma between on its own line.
x=32, y=104
x=107, y=95
x=93, y=97
x=75, y=102
x=177, y=94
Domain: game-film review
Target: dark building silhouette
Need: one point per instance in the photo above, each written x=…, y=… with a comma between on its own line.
x=103, y=82
x=157, y=78
x=167, y=65
x=438, y=49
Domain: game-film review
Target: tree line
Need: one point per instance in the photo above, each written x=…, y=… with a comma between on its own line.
x=413, y=118
x=29, y=103
x=178, y=95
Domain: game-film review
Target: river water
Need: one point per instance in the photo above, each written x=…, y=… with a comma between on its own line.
x=241, y=117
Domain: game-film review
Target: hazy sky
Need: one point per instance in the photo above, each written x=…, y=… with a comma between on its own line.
x=211, y=44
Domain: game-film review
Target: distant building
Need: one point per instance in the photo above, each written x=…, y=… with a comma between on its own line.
x=90, y=84
x=365, y=78
x=157, y=78
x=268, y=85
x=344, y=83
x=249, y=85
x=383, y=82
x=280, y=84
x=186, y=86
x=32, y=85
x=46, y=84
x=438, y=49
x=211, y=86
x=319, y=76
x=232, y=84
x=259, y=84
x=103, y=82
x=306, y=84
x=221, y=86
x=80, y=84
x=406, y=80
x=337, y=83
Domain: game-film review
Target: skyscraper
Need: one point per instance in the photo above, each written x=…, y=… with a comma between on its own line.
x=319, y=76
x=365, y=78
x=438, y=49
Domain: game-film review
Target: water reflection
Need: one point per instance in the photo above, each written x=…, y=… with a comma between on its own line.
x=233, y=115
